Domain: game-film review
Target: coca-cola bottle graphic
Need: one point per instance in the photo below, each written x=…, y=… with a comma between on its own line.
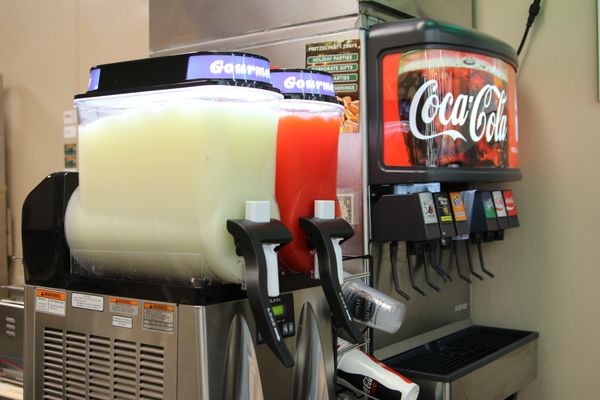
x=455, y=109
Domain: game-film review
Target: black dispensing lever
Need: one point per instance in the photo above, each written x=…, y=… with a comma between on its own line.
x=461, y=225
x=417, y=249
x=250, y=240
x=321, y=234
x=394, y=268
x=483, y=222
x=411, y=218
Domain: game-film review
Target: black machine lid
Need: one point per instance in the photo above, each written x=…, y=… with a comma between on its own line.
x=192, y=69
x=304, y=84
x=416, y=31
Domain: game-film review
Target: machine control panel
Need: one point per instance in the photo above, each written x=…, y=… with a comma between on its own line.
x=282, y=308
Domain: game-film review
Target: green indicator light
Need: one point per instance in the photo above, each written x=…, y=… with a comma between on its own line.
x=278, y=310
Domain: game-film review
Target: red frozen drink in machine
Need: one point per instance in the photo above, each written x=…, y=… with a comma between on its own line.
x=307, y=151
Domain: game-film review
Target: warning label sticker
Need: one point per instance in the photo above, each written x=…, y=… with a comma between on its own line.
x=123, y=306
x=159, y=317
x=87, y=302
x=51, y=302
x=122, y=322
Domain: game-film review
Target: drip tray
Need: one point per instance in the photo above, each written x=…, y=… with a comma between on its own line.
x=477, y=363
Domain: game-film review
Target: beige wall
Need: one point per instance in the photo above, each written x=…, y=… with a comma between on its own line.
x=548, y=271
x=46, y=49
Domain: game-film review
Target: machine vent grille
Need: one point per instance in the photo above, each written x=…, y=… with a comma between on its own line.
x=53, y=372
x=75, y=366
x=99, y=368
x=78, y=366
x=125, y=366
x=152, y=360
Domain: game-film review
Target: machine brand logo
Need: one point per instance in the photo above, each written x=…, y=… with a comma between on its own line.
x=511, y=207
x=293, y=82
x=510, y=204
x=459, y=111
x=369, y=385
x=219, y=67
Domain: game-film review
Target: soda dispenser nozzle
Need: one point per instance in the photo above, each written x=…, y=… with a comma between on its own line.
x=255, y=241
x=323, y=235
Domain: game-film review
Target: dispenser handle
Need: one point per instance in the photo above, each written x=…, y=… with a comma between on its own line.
x=394, y=268
x=412, y=267
x=426, y=256
x=250, y=237
x=321, y=233
x=470, y=261
x=437, y=265
x=457, y=262
x=481, y=262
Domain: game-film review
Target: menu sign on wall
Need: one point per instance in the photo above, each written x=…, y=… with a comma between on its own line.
x=341, y=58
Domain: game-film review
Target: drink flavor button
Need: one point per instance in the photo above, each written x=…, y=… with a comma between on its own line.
x=499, y=203
x=458, y=206
x=511, y=208
x=488, y=205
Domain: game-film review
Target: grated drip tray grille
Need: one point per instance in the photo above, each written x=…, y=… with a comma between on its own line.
x=456, y=355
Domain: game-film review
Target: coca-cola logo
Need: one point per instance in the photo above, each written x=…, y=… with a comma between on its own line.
x=472, y=111
x=510, y=204
x=369, y=385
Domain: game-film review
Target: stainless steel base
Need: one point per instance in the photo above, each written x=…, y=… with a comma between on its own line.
x=101, y=347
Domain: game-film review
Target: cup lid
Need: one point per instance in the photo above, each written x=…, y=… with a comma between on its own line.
x=304, y=84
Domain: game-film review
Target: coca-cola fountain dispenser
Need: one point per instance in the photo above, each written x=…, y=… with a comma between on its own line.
x=444, y=114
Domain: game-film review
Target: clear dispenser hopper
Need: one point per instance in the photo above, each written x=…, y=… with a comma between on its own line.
x=163, y=167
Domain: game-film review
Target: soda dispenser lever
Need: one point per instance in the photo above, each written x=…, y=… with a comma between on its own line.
x=412, y=267
x=483, y=222
x=250, y=239
x=437, y=264
x=470, y=261
x=481, y=262
x=424, y=257
x=394, y=268
x=320, y=233
x=457, y=262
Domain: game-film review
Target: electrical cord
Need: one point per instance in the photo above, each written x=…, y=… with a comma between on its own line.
x=534, y=10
